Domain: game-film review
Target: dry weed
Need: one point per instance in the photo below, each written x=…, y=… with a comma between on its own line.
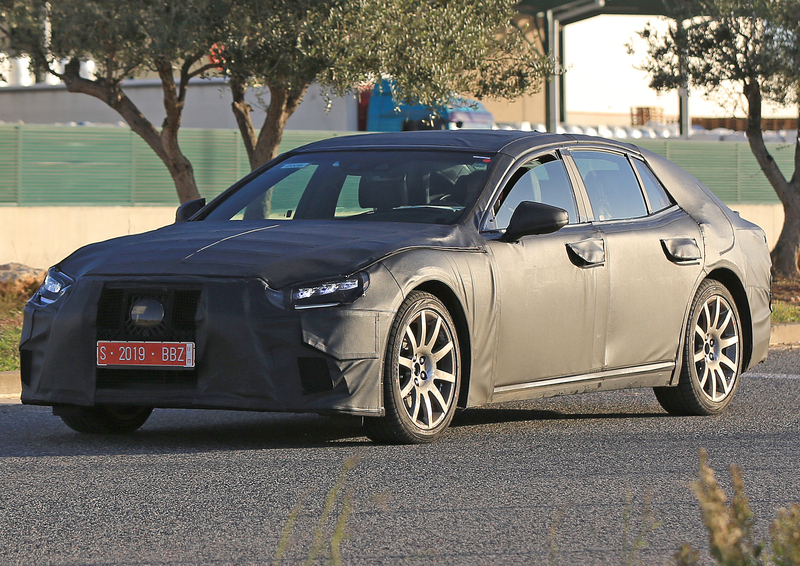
x=785, y=534
x=730, y=526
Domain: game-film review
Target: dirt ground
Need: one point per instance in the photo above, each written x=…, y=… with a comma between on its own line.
x=786, y=291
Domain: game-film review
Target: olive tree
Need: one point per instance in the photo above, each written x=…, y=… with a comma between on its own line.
x=754, y=46
x=168, y=38
x=431, y=51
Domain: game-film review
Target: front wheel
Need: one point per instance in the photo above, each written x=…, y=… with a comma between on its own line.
x=106, y=420
x=712, y=355
x=422, y=374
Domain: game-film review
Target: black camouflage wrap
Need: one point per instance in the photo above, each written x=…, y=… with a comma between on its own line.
x=531, y=322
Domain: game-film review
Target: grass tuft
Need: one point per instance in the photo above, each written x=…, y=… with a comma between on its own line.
x=785, y=312
x=785, y=534
x=13, y=296
x=646, y=525
x=324, y=539
x=730, y=526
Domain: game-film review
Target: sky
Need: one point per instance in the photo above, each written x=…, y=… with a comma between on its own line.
x=601, y=76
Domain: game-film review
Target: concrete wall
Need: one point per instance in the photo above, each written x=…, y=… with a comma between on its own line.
x=41, y=236
x=208, y=105
x=524, y=109
x=768, y=216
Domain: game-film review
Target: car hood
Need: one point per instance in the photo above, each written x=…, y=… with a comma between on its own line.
x=281, y=252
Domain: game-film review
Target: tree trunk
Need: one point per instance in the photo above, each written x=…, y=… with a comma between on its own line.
x=165, y=146
x=786, y=251
x=179, y=166
x=282, y=104
x=241, y=111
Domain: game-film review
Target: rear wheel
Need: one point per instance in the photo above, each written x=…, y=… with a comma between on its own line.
x=422, y=374
x=106, y=420
x=712, y=355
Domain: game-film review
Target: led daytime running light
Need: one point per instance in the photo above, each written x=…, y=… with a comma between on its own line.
x=325, y=289
x=53, y=285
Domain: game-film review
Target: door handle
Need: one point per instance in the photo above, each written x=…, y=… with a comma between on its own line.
x=587, y=253
x=681, y=250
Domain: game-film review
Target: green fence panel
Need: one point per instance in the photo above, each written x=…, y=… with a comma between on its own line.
x=102, y=166
x=727, y=168
x=9, y=164
x=59, y=167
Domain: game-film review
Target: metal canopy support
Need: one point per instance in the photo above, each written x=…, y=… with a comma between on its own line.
x=684, y=120
x=553, y=94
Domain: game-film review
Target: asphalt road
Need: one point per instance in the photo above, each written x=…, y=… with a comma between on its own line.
x=541, y=482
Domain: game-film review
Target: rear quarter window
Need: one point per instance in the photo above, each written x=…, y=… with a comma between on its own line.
x=659, y=200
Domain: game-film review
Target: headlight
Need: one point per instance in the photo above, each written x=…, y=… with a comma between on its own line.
x=329, y=293
x=54, y=286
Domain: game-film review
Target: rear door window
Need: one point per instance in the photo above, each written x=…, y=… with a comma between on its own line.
x=611, y=185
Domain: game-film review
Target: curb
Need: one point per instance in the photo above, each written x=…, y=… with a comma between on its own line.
x=10, y=383
x=788, y=333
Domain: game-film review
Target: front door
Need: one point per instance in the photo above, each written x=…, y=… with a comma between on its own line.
x=550, y=321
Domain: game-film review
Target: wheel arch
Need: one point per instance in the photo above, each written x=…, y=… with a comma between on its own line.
x=737, y=290
x=444, y=293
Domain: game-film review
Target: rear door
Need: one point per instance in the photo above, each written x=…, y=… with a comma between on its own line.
x=653, y=256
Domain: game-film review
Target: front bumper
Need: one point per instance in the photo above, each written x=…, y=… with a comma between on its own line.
x=250, y=355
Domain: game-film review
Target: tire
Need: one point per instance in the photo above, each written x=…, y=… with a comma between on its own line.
x=421, y=374
x=107, y=420
x=712, y=355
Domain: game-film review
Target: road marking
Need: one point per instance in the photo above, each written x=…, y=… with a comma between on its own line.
x=772, y=375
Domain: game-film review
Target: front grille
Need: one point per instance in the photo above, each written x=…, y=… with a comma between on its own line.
x=114, y=319
x=147, y=386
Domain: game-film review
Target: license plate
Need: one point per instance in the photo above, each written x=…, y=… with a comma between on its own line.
x=151, y=354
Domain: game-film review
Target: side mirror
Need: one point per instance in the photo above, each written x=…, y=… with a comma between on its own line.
x=532, y=218
x=189, y=209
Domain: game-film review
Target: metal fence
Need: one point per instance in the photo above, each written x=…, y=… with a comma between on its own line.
x=112, y=166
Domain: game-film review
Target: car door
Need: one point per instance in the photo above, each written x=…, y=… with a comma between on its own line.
x=653, y=257
x=547, y=285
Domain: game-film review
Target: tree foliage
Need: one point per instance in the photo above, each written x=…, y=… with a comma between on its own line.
x=754, y=47
x=169, y=38
x=432, y=51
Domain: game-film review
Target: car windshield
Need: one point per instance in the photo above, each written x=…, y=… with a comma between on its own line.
x=432, y=187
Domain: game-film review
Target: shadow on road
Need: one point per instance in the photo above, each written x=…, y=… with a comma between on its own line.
x=33, y=431
x=492, y=415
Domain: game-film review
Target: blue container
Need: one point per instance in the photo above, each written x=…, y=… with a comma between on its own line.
x=383, y=115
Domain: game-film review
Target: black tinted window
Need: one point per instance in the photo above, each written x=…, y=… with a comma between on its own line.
x=613, y=189
x=544, y=180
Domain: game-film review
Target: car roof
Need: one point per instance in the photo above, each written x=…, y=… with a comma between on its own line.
x=512, y=142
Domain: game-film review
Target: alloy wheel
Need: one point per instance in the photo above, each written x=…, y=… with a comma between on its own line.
x=717, y=348
x=427, y=369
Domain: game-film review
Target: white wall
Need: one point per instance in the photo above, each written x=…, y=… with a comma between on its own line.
x=769, y=217
x=41, y=236
x=208, y=105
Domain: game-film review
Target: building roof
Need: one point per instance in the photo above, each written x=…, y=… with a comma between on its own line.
x=583, y=9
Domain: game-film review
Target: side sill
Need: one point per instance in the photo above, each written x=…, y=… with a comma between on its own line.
x=651, y=375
